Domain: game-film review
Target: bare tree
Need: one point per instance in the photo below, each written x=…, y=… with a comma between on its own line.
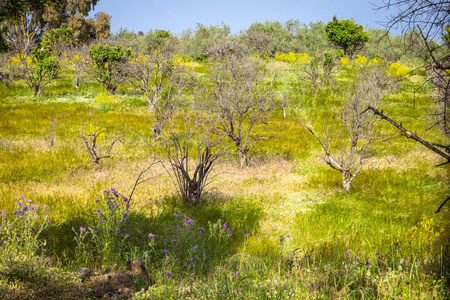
x=97, y=144
x=431, y=19
x=319, y=69
x=154, y=72
x=240, y=102
x=50, y=136
x=191, y=175
x=348, y=151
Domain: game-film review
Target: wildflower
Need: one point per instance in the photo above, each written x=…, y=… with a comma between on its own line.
x=46, y=217
x=97, y=200
x=202, y=230
x=229, y=232
x=48, y=222
x=165, y=251
x=127, y=235
x=236, y=275
x=46, y=208
x=367, y=263
x=99, y=211
x=195, y=247
x=125, y=199
x=102, y=221
x=83, y=229
x=225, y=226
x=169, y=274
x=176, y=249
x=151, y=235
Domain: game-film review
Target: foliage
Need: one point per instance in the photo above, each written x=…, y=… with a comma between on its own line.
x=396, y=69
x=108, y=62
x=21, y=235
x=346, y=34
x=75, y=14
x=292, y=57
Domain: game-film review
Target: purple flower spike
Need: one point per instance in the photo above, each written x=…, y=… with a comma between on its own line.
x=151, y=235
x=48, y=222
x=169, y=274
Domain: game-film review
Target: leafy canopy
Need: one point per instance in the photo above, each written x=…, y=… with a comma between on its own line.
x=346, y=34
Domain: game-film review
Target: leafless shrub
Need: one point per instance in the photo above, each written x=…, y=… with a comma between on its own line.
x=96, y=143
x=239, y=102
x=50, y=136
x=348, y=151
x=191, y=175
x=319, y=69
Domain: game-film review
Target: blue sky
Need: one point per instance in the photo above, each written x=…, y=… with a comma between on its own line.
x=178, y=15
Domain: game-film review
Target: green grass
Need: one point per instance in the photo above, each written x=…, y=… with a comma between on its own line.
x=383, y=240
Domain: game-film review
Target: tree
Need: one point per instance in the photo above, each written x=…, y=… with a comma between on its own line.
x=37, y=68
x=75, y=14
x=346, y=34
x=26, y=20
x=349, y=150
x=108, y=65
x=96, y=142
x=190, y=176
x=240, y=101
x=162, y=76
x=13, y=11
x=319, y=68
x=430, y=19
x=268, y=38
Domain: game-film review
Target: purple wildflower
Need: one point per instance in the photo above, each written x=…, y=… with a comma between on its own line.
x=169, y=274
x=195, y=247
x=83, y=229
x=99, y=211
x=367, y=263
x=165, y=251
x=236, y=275
x=225, y=226
x=202, y=230
x=97, y=200
x=102, y=221
x=151, y=235
x=46, y=208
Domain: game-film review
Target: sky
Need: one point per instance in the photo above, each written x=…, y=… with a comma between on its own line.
x=179, y=15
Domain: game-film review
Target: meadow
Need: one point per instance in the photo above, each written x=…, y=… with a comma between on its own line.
x=280, y=228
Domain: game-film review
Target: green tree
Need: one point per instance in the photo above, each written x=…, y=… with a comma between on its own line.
x=14, y=10
x=108, y=66
x=346, y=34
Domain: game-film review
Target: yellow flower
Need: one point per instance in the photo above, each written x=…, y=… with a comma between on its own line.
x=396, y=69
x=360, y=61
x=344, y=60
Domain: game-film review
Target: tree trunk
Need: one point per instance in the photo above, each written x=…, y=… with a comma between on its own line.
x=346, y=182
x=243, y=159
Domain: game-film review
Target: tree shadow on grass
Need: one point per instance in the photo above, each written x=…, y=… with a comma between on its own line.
x=178, y=232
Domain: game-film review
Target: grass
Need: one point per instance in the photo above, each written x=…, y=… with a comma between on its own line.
x=383, y=240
